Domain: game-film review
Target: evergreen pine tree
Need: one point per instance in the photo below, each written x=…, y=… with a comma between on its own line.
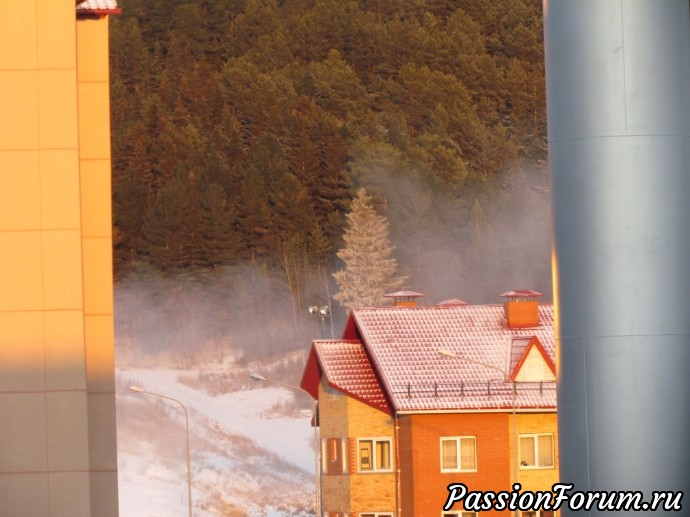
x=165, y=229
x=370, y=270
x=219, y=239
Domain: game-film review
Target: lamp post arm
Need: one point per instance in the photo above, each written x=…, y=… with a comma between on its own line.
x=186, y=422
x=291, y=387
x=139, y=390
x=453, y=355
x=506, y=375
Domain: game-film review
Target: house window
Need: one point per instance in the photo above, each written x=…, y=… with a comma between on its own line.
x=374, y=455
x=334, y=456
x=458, y=454
x=539, y=513
x=536, y=451
x=376, y=514
x=459, y=514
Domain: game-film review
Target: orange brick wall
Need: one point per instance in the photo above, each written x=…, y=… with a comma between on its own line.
x=370, y=491
x=424, y=492
x=345, y=417
x=406, y=458
x=422, y=486
x=333, y=420
x=538, y=479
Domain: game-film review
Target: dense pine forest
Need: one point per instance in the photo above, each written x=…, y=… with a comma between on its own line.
x=242, y=130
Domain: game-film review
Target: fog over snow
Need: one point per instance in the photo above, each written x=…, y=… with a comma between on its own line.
x=248, y=459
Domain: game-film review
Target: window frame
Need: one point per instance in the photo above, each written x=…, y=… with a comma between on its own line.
x=333, y=451
x=458, y=453
x=460, y=513
x=535, y=450
x=373, y=469
x=375, y=514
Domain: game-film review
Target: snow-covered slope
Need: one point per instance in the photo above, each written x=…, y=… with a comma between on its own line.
x=245, y=460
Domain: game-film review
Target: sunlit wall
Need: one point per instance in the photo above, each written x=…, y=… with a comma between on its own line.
x=57, y=404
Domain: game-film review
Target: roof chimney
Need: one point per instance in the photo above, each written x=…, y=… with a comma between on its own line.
x=521, y=308
x=404, y=298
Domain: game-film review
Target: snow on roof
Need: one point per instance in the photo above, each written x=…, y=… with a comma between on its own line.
x=347, y=368
x=403, y=345
x=98, y=7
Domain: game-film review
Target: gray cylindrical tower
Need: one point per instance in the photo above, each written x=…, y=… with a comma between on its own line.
x=618, y=96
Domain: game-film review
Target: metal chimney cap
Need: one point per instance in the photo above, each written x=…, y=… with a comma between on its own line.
x=403, y=294
x=452, y=302
x=521, y=293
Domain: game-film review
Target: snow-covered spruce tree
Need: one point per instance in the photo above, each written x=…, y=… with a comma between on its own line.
x=370, y=271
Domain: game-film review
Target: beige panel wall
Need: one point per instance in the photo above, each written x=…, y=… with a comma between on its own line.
x=333, y=415
x=371, y=491
x=537, y=423
x=57, y=430
x=96, y=226
x=344, y=417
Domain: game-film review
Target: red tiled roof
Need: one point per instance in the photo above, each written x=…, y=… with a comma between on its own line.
x=98, y=7
x=403, y=345
x=346, y=367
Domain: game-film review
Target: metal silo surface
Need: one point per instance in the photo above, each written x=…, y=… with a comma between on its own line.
x=618, y=97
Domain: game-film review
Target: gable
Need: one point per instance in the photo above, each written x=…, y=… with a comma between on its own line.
x=534, y=364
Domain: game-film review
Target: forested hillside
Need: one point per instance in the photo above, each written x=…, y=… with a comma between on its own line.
x=242, y=129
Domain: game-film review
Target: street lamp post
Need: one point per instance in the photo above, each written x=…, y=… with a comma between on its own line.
x=137, y=389
x=453, y=355
x=322, y=312
x=259, y=377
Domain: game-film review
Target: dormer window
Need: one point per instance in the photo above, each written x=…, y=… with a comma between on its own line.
x=529, y=362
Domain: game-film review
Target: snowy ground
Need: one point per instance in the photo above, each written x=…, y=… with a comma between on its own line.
x=246, y=461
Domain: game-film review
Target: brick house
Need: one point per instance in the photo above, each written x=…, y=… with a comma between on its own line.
x=412, y=399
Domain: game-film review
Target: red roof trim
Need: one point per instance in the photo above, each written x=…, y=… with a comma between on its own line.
x=311, y=377
x=97, y=13
x=496, y=409
x=351, y=331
